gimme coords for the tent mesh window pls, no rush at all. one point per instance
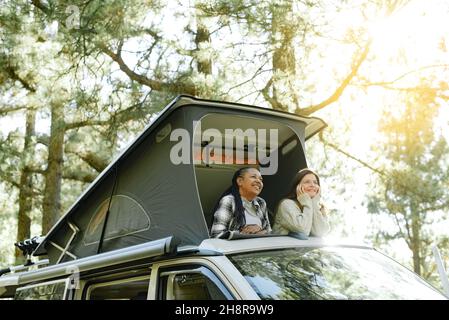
(126, 217)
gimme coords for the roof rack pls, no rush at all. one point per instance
(27, 247)
(152, 249)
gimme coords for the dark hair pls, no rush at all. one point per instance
(296, 180)
(239, 212)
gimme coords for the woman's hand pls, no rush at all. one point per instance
(299, 190)
(251, 229)
(324, 211)
(304, 198)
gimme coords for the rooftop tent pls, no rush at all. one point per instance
(158, 187)
(247, 133)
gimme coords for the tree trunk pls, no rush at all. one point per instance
(416, 243)
(52, 195)
(284, 60)
(25, 193)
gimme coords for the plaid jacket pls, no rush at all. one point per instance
(224, 217)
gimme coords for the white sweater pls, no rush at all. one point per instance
(311, 221)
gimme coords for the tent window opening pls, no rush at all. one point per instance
(223, 143)
(126, 217)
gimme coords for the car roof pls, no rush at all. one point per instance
(166, 247)
(273, 243)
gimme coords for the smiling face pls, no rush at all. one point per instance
(250, 184)
(309, 184)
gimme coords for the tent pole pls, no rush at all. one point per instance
(441, 270)
(103, 230)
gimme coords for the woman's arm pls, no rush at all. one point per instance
(290, 217)
(320, 225)
(266, 226)
(222, 217)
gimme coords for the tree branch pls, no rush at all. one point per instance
(85, 177)
(339, 91)
(121, 117)
(92, 159)
(86, 123)
(438, 207)
(388, 83)
(257, 73)
(181, 87)
(13, 75)
(274, 103)
(43, 139)
(391, 176)
(153, 84)
(38, 4)
(335, 147)
(4, 111)
(9, 180)
(67, 174)
(401, 232)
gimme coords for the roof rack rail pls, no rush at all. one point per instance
(151, 249)
(24, 267)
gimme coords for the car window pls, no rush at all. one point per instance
(198, 284)
(330, 273)
(128, 289)
(53, 290)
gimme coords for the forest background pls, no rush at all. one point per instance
(80, 79)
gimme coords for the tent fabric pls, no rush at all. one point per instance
(154, 188)
(148, 196)
(119, 225)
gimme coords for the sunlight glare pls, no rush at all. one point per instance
(387, 33)
(412, 34)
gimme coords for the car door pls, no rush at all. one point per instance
(191, 279)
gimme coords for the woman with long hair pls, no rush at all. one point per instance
(300, 213)
(239, 209)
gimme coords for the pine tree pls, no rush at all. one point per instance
(413, 190)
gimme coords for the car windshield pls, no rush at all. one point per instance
(330, 273)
